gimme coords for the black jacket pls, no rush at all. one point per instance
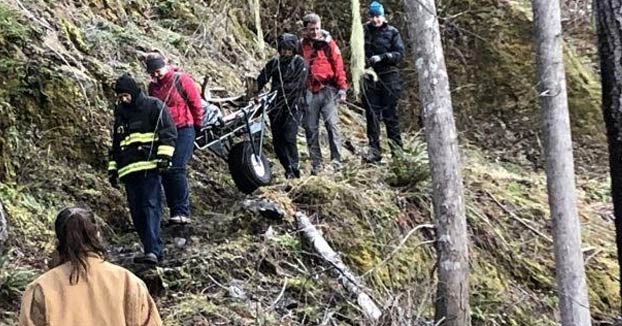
(386, 42)
(143, 131)
(288, 76)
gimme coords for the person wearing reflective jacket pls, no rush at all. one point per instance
(143, 142)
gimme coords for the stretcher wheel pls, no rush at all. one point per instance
(248, 171)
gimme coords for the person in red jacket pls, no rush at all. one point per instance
(326, 84)
(182, 98)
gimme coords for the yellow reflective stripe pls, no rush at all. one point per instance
(139, 138)
(112, 165)
(137, 166)
(166, 150)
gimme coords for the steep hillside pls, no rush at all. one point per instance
(490, 56)
(57, 64)
(495, 88)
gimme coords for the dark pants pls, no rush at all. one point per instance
(380, 102)
(284, 124)
(175, 181)
(144, 193)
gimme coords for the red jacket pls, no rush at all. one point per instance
(185, 109)
(325, 63)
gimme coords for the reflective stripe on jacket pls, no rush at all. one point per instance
(143, 132)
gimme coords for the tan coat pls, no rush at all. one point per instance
(108, 296)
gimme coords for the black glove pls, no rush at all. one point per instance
(113, 178)
(164, 164)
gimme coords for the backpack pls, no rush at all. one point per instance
(326, 49)
(211, 113)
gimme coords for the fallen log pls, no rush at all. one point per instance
(348, 280)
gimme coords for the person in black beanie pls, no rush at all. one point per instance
(143, 142)
(126, 85)
(154, 63)
(178, 91)
(288, 73)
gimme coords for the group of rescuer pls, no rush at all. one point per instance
(153, 140)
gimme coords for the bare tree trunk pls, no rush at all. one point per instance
(4, 227)
(452, 301)
(609, 32)
(570, 272)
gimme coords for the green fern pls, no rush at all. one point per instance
(13, 280)
(409, 167)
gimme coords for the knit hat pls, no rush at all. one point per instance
(376, 9)
(287, 41)
(127, 84)
(154, 63)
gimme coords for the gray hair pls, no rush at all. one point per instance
(311, 18)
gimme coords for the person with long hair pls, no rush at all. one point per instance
(84, 289)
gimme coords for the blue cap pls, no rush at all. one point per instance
(376, 9)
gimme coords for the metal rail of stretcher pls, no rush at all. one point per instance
(248, 120)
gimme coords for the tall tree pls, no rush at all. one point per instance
(452, 297)
(609, 32)
(570, 272)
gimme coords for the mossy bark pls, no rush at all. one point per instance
(569, 268)
(452, 297)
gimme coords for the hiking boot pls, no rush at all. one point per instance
(336, 165)
(372, 158)
(148, 259)
(179, 219)
(316, 169)
(292, 173)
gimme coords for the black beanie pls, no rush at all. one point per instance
(127, 84)
(154, 63)
(287, 41)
